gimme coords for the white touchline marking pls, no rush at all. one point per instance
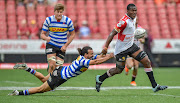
(89, 88)
(15, 82)
(165, 95)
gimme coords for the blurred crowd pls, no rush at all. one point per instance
(32, 31)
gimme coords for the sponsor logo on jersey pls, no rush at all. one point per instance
(83, 69)
(53, 29)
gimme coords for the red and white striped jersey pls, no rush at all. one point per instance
(125, 40)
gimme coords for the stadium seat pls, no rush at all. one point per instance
(20, 10)
(41, 10)
(40, 20)
(129, 2)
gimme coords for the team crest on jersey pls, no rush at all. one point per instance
(120, 23)
(83, 69)
(53, 29)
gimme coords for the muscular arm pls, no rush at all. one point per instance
(110, 37)
(71, 37)
(44, 37)
(100, 60)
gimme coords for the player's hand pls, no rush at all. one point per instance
(63, 48)
(111, 55)
(48, 39)
(104, 51)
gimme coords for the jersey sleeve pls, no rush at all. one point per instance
(46, 24)
(94, 57)
(70, 25)
(84, 62)
(121, 25)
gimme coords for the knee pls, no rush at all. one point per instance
(147, 62)
(119, 69)
(52, 65)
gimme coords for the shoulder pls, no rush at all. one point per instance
(66, 18)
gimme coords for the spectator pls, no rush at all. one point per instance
(30, 4)
(23, 31)
(52, 2)
(34, 30)
(95, 31)
(20, 2)
(84, 31)
(159, 2)
(76, 28)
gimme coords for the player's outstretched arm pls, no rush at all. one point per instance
(108, 41)
(100, 59)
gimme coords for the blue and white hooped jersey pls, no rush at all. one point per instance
(58, 30)
(77, 67)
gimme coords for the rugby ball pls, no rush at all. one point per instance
(139, 33)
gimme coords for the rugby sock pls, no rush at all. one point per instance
(24, 92)
(133, 78)
(103, 77)
(149, 72)
(32, 71)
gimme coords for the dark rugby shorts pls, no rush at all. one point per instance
(51, 49)
(55, 79)
(121, 57)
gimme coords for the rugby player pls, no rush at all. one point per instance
(57, 26)
(125, 46)
(62, 73)
(132, 63)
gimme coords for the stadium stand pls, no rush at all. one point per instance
(161, 20)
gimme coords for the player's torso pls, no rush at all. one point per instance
(58, 31)
(126, 36)
(76, 68)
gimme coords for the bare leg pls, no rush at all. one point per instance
(41, 77)
(43, 88)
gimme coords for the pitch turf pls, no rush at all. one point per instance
(123, 93)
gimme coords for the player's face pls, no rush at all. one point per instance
(58, 14)
(90, 54)
(132, 12)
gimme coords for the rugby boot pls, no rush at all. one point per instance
(20, 66)
(133, 83)
(15, 92)
(98, 83)
(159, 87)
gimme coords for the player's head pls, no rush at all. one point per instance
(58, 10)
(131, 11)
(86, 51)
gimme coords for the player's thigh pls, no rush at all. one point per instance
(51, 53)
(45, 87)
(60, 57)
(121, 60)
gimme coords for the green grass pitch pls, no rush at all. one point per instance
(164, 76)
